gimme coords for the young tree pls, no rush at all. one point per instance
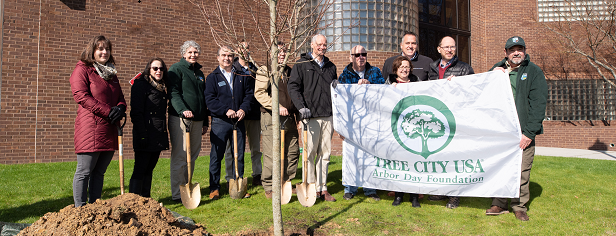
(425, 125)
(264, 22)
(587, 28)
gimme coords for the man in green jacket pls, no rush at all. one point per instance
(530, 91)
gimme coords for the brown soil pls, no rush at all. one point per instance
(127, 214)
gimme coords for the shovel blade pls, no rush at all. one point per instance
(237, 188)
(306, 194)
(191, 195)
(286, 192)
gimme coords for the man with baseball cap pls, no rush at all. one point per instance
(530, 91)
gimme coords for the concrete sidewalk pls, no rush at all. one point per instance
(580, 153)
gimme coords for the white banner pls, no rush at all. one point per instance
(453, 138)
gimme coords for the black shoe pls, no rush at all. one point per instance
(453, 203)
(177, 200)
(415, 200)
(256, 180)
(374, 196)
(397, 201)
(348, 196)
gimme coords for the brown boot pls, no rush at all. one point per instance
(326, 196)
(496, 210)
(214, 195)
(521, 215)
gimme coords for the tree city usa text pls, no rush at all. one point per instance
(459, 166)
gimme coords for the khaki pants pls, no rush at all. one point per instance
(178, 166)
(320, 131)
(519, 204)
(291, 153)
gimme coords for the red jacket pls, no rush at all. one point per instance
(96, 97)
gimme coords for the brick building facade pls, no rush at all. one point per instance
(41, 42)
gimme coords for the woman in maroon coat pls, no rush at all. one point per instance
(97, 90)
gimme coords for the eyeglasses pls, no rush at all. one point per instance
(449, 47)
(156, 68)
(404, 67)
(360, 54)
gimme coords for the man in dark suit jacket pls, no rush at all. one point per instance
(228, 96)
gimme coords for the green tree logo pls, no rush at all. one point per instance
(422, 124)
(424, 120)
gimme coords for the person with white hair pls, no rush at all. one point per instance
(309, 87)
(187, 101)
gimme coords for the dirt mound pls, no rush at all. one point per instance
(127, 214)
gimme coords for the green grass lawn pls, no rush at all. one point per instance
(569, 196)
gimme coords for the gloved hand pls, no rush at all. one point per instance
(334, 83)
(117, 113)
(305, 113)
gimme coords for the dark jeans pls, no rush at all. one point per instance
(221, 131)
(141, 180)
(89, 176)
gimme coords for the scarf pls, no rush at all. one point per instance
(105, 71)
(155, 84)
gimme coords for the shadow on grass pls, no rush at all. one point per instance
(38, 209)
(535, 191)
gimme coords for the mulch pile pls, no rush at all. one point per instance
(127, 214)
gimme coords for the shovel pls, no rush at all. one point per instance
(190, 193)
(306, 193)
(287, 188)
(237, 186)
(121, 159)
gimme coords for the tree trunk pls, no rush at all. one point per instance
(274, 76)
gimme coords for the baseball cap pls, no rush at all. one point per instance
(515, 41)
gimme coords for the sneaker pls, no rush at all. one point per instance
(374, 196)
(268, 194)
(214, 195)
(496, 210)
(521, 215)
(348, 196)
(437, 198)
(247, 195)
(326, 196)
(453, 203)
(256, 180)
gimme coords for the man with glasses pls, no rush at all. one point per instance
(446, 68)
(449, 65)
(530, 92)
(359, 71)
(409, 47)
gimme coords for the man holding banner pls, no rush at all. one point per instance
(359, 71)
(530, 92)
(446, 68)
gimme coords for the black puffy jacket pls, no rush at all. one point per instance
(309, 85)
(457, 68)
(148, 114)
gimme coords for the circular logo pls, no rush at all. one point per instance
(422, 125)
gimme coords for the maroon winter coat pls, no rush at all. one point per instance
(96, 97)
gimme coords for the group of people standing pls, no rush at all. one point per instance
(237, 96)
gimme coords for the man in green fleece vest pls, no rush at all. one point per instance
(530, 91)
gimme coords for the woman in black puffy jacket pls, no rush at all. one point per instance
(148, 113)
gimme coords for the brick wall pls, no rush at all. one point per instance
(37, 110)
